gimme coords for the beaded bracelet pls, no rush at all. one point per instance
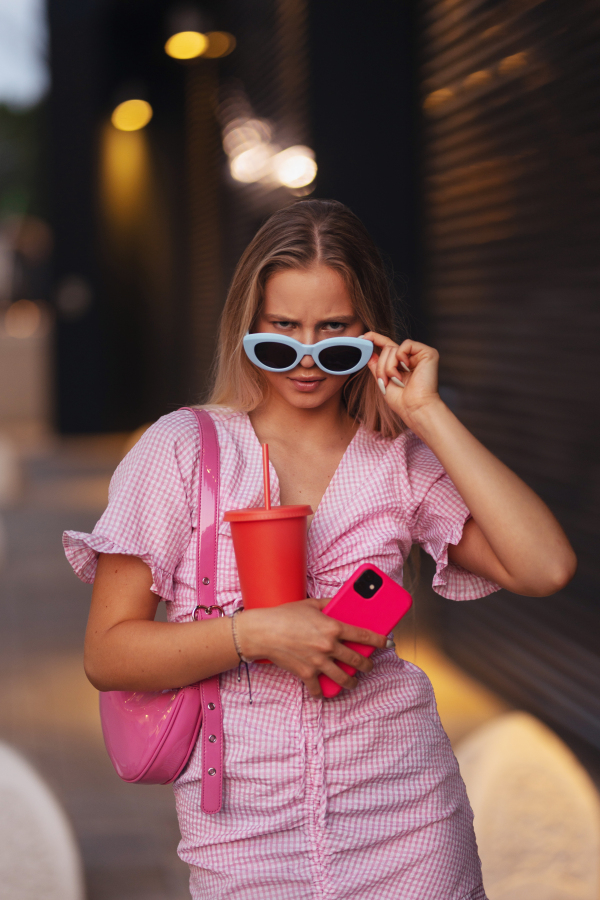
(238, 650)
(236, 642)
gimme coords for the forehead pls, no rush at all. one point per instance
(318, 292)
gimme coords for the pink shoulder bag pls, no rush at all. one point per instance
(150, 736)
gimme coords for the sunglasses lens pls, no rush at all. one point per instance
(275, 355)
(339, 359)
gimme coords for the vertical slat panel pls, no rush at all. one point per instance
(512, 240)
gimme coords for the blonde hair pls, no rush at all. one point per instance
(308, 233)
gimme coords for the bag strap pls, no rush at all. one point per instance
(206, 594)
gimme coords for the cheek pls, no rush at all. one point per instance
(276, 380)
(338, 381)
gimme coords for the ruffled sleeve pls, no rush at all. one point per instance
(438, 521)
(149, 513)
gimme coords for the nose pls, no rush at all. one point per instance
(307, 362)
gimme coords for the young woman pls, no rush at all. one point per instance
(360, 796)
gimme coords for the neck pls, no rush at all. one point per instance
(276, 420)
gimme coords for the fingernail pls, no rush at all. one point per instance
(381, 385)
(396, 381)
(404, 366)
(390, 643)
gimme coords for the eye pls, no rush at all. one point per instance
(283, 324)
(334, 326)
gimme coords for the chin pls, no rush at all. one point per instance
(301, 400)
(307, 401)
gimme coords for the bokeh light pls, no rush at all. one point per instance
(241, 134)
(252, 164)
(188, 45)
(255, 157)
(295, 167)
(22, 319)
(220, 43)
(131, 115)
(124, 176)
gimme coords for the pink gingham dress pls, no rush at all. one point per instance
(355, 798)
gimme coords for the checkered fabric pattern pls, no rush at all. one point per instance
(355, 798)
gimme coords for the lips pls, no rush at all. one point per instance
(306, 384)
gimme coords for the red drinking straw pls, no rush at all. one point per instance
(265, 452)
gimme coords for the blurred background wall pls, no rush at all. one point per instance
(466, 136)
(511, 210)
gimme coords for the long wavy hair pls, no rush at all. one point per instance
(308, 233)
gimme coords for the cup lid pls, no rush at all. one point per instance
(260, 514)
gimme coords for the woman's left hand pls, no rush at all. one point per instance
(406, 373)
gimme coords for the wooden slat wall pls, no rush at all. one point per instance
(511, 168)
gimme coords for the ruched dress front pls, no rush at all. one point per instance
(354, 798)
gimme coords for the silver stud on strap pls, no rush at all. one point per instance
(205, 580)
(212, 738)
(211, 705)
(212, 771)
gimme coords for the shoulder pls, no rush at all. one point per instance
(178, 432)
(409, 467)
(172, 437)
(406, 452)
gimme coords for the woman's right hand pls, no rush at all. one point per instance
(299, 638)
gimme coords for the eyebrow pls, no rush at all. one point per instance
(344, 320)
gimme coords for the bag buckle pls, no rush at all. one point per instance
(208, 610)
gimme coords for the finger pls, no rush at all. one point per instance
(353, 658)
(405, 356)
(386, 367)
(372, 363)
(362, 636)
(411, 347)
(383, 361)
(338, 675)
(314, 687)
(379, 340)
(412, 352)
(391, 364)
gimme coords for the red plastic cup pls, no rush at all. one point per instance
(270, 550)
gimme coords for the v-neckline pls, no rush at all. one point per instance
(335, 477)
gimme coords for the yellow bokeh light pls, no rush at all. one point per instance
(187, 45)
(220, 43)
(131, 115)
(125, 176)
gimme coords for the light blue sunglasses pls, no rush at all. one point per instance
(336, 355)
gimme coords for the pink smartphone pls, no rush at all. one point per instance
(369, 599)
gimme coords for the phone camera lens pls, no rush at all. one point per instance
(368, 584)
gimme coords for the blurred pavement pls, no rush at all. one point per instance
(128, 834)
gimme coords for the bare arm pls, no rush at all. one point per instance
(513, 538)
(125, 649)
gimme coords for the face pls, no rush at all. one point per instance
(308, 305)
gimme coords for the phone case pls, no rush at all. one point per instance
(381, 613)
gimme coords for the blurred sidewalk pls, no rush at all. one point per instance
(48, 710)
(128, 834)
